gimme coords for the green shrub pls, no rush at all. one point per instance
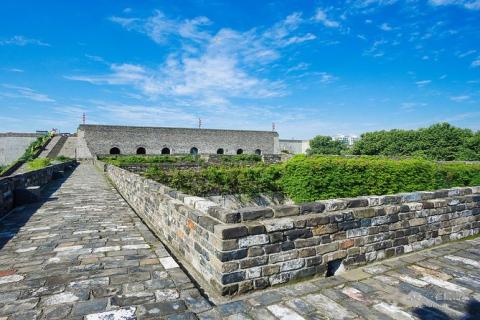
(34, 147)
(63, 159)
(326, 145)
(220, 180)
(126, 160)
(38, 163)
(314, 178)
(239, 158)
(310, 178)
(440, 141)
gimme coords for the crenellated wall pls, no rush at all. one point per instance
(236, 251)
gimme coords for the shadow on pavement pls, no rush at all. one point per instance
(472, 311)
(11, 223)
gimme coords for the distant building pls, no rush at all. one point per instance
(294, 146)
(347, 139)
(103, 139)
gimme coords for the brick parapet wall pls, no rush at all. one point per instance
(253, 248)
(38, 177)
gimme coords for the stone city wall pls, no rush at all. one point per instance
(100, 139)
(13, 145)
(9, 185)
(236, 251)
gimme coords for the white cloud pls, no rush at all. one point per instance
(467, 4)
(385, 27)
(159, 27)
(207, 66)
(327, 78)
(376, 49)
(14, 70)
(423, 83)
(410, 106)
(23, 41)
(321, 16)
(25, 93)
(475, 63)
(466, 53)
(460, 98)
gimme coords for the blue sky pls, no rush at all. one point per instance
(312, 67)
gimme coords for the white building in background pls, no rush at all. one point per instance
(294, 146)
(348, 139)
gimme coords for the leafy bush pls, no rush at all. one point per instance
(241, 158)
(310, 178)
(34, 147)
(314, 178)
(438, 142)
(326, 145)
(126, 160)
(38, 163)
(220, 180)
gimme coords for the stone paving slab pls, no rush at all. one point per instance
(83, 253)
(439, 283)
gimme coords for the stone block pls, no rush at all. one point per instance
(233, 231)
(364, 213)
(278, 224)
(357, 202)
(292, 265)
(334, 205)
(324, 229)
(253, 262)
(286, 211)
(233, 277)
(312, 207)
(254, 213)
(326, 248)
(254, 240)
(317, 221)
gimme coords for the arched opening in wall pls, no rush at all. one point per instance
(258, 152)
(220, 151)
(194, 151)
(141, 150)
(239, 151)
(165, 151)
(114, 150)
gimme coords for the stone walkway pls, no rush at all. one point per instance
(84, 254)
(440, 283)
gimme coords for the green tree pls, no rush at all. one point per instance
(440, 141)
(326, 145)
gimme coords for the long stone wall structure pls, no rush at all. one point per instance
(155, 140)
(235, 251)
(11, 185)
(13, 145)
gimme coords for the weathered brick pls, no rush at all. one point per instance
(286, 211)
(254, 213)
(233, 231)
(254, 240)
(324, 229)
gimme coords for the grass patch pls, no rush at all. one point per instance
(38, 163)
